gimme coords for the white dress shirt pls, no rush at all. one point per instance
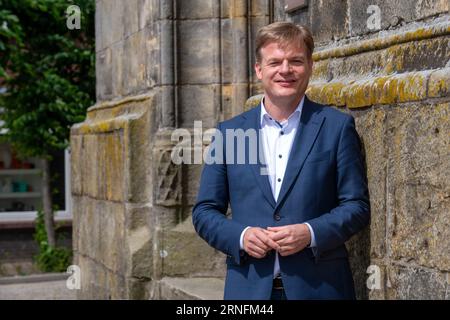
(277, 138)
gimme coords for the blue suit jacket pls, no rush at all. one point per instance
(324, 185)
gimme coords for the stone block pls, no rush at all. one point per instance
(260, 8)
(418, 190)
(418, 55)
(181, 246)
(147, 13)
(197, 9)
(112, 240)
(140, 247)
(359, 256)
(117, 286)
(439, 84)
(234, 97)
(409, 283)
(167, 187)
(76, 161)
(234, 51)
(198, 51)
(330, 20)
(90, 165)
(103, 74)
(392, 13)
(134, 71)
(372, 129)
(191, 182)
(191, 289)
(117, 68)
(198, 103)
(141, 157)
(137, 289)
(233, 8)
(130, 17)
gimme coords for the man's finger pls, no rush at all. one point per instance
(268, 241)
(276, 229)
(277, 236)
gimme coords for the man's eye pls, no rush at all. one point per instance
(297, 62)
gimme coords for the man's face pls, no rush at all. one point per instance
(284, 72)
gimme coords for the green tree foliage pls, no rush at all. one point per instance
(49, 259)
(48, 71)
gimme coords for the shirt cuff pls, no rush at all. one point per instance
(313, 238)
(241, 240)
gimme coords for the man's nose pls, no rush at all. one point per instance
(285, 67)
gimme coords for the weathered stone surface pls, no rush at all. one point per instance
(260, 8)
(197, 51)
(167, 189)
(191, 289)
(140, 247)
(392, 13)
(114, 165)
(439, 84)
(76, 167)
(418, 188)
(90, 165)
(372, 128)
(191, 182)
(130, 17)
(330, 20)
(234, 51)
(198, 103)
(103, 74)
(134, 75)
(409, 283)
(109, 219)
(359, 255)
(234, 97)
(233, 8)
(197, 9)
(141, 127)
(179, 255)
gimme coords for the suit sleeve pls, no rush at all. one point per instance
(352, 214)
(209, 213)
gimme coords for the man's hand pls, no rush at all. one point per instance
(291, 238)
(257, 242)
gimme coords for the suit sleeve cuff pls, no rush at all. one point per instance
(241, 240)
(313, 238)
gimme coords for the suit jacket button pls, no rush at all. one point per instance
(277, 217)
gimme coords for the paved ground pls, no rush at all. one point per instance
(36, 287)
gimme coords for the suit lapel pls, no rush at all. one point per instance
(307, 131)
(253, 121)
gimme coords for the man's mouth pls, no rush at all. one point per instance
(286, 82)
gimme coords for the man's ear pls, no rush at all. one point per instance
(258, 70)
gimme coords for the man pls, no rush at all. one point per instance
(286, 237)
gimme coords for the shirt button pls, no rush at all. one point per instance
(281, 132)
(279, 180)
(280, 156)
(277, 217)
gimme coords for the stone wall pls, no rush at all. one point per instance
(395, 81)
(165, 64)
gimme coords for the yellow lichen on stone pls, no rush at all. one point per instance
(439, 84)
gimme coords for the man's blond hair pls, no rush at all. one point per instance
(285, 34)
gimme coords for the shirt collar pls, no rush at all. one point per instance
(294, 115)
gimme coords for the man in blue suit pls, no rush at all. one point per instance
(292, 211)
